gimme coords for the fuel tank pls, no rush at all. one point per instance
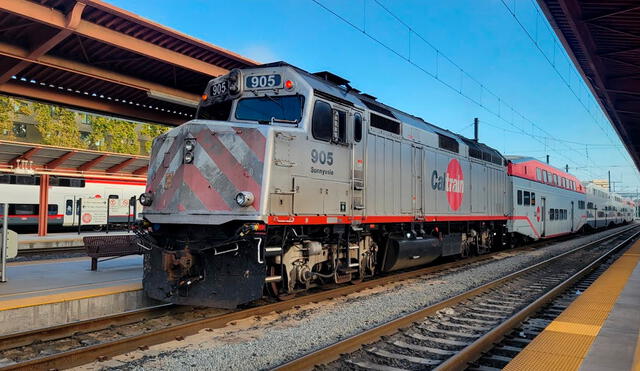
(402, 252)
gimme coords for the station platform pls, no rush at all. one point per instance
(31, 241)
(51, 292)
(599, 331)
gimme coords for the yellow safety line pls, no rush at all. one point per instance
(3, 296)
(49, 261)
(565, 342)
(67, 296)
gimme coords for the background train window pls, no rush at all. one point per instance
(545, 176)
(581, 205)
(5, 179)
(357, 127)
(68, 207)
(449, 144)
(321, 127)
(519, 197)
(555, 179)
(538, 174)
(26, 180)
(23, 209)
(389, 125)
(551, 214)
(52, 209)
(527, 198)
(533, 199)
(76, 182)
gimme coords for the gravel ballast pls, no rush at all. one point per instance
(265, 342)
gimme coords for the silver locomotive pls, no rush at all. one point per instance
(288, 180)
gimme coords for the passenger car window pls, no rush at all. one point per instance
(519, 197)
(527, 199)
(533, 199)
(321, 123)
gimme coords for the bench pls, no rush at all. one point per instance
(110, 247)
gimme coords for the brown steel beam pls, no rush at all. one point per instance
(117, 167)
(89, 103)
(43, 212)
(94, 72)
(71, 21)
(25, 156)
(54, 18)
(54, 164)
(609, 14)
(141, 170)
(89, 164)
(580, 31)
(619, 51)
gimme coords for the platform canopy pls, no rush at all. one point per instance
(27, 158)
(91, 55)
(603, 39)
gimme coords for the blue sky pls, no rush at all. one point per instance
(481, 37)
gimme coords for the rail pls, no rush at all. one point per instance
(474, 350)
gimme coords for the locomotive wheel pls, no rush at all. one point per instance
(274, 288)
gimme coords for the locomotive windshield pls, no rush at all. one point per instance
(217, 111)
(283, 108)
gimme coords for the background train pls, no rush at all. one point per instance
(291, 180)
(64, 193)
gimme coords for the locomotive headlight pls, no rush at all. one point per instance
(188, 145)
(146, 199)
(234, 82)
(244, 199)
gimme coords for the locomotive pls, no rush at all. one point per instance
(288, 180)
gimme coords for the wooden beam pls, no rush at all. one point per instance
(53, 164)
(94, 72)
(54, 18)
(89, 103)
(117, 167)
(89, 164)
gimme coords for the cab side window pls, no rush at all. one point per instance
(322, 121)
(341, 134)
(357, 127)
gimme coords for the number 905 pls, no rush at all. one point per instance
(322, 157)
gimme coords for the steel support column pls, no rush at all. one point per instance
(43, 214)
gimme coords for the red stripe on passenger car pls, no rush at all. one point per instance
(254, 139)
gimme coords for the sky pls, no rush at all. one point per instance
(444, 61)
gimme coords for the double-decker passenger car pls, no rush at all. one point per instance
(547, 202)
(606, 208)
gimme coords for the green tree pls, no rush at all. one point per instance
(151, 131)
(110, 134)
(7, 115)
(57, 126)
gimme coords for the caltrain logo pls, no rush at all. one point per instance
(451, 182)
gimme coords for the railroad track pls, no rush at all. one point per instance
(453, 333)
(81, 341)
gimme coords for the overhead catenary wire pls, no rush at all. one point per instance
(566, 82)
(501, 102)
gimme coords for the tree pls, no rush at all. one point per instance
(57, 126)
(7, 116)
(151, 131)
(110, 134)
